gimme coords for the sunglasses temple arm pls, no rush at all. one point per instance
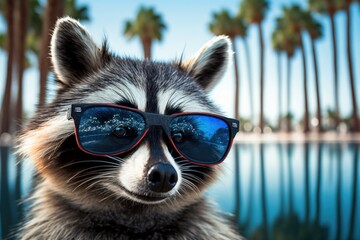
(68, 114)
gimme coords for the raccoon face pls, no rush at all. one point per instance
(152, 173)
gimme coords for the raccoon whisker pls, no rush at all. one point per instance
(192, 177)
(195, 178)
(179, 157)
(98, 178)
(189, 175)
(189, 171)
(85, 170)
(109, 196)
(78, 184)
(190, 185)
(190, 189)
(96, 182)
(185, 164)
(90, 161)
(120, 160)
(103, 173)
(178, 192)
(60, 143)
(182, 160)
(170, 202)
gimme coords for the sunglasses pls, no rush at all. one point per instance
(107, 129)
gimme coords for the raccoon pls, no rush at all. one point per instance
(149, 191)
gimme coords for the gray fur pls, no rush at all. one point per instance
(80, 196)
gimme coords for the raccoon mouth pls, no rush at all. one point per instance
(143, 198)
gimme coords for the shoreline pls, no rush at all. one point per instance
(297, 137)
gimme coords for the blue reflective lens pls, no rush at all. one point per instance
(109, 130)
(200, 138)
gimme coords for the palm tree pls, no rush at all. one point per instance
(355, 118)
(314, 28)
(21, 30)
(330, 7)
(33, 31)
(21, 19)
(242, 27)
(10, 37)
(278, 43)
(225, 24)
(5, 119)
(77, 12)
(254, 12)
(148, 26)
(2, 7)
(290, 41)
(54, 10)
(294, 23)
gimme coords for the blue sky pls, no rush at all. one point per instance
(187, 31)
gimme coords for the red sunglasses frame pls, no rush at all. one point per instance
(151, 119)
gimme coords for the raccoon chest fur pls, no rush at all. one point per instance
(60, 219)
(114, 152)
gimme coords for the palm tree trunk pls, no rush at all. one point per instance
(288, 99)
(355, 118)
(146, 43)
(5, 108)
(23, 6)
(5, 121)
(22, 17)
(336, 81)
(318, 102)
(278, 56)
(261, 41)
(250, 79)
(237, 80)
(54, 9)
(306, 108)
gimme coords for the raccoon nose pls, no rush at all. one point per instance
(162, 177)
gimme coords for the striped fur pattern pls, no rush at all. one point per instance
(80, 196)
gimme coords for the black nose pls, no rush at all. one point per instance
(162, 177)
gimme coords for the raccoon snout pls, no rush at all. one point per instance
(162, 177)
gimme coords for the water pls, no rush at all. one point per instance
(292, 191)
(275, 191)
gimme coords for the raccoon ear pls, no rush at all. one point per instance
(209, 64)
(74, 54)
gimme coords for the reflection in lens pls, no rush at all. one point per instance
(205, 139)
(98, 127)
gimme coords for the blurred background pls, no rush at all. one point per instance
(294, 84)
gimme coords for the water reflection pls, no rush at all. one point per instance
(293, 191)
(354, 211)
(275, 191)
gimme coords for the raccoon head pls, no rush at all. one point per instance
(87, 73)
